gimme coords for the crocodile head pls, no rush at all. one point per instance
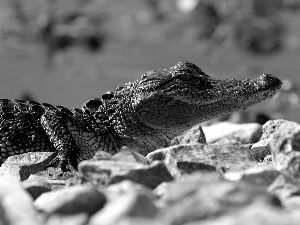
(183, 95)
(166, 102)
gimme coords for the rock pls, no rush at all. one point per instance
(292, 203)
(260, 176)
(203, 196)
(149, 176)
(129, 205)
(138, 221)
(22, 166)
(262, 148)
(16, 205)
(74, 219)
(99, 172)
(128, 155)
(73, 200)
(270, 127)
(161, 190)
(125, 187)
(34, 163)
(285, 188)
(101, 155)
(194, 135)
(245, 133)
(257, 213)
(176, 191)
(268, 160)
(111, 172)
(55, 184)
(185, 159)
(36, 186)
(285, 148)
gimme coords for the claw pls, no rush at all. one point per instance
(64, 163)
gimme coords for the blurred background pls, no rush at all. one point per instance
(65, 52)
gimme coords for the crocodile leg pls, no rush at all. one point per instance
(55, 125)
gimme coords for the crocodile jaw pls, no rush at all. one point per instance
(163, 103)
(181, 108)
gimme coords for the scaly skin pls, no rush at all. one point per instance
(144, 115)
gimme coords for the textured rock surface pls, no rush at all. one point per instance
(255, 214)
(194, 135)
(124, 187)
(262, 147)
(203, 196)
(129, 205)
(128, 155)
(62, 219)
(185, 159)
(220, 183)
(245, 133)
(111, 172)
(36, 186)
(261, 176)
(16, 205)
(287, 190)
(72, 200)
(22, 166)
(285, 148)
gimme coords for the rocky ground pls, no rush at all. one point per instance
(238, 174)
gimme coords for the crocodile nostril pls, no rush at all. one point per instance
(269, 80)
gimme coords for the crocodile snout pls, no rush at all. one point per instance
(269, 81)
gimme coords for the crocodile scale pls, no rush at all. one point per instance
(144, 115)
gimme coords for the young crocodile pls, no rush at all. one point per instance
(145, 115)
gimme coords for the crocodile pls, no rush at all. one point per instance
(143, 115)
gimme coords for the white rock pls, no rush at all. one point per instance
(245, 133)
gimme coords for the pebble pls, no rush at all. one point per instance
(16, 205)
(201, 196)
(262, 147)
(111, 172)
(75, 199)
(194, 135)
(261, 176)
(36, 186)
(23, 165)
(219, 157)
(244, 133)
(285, 148)
(129, 205)
(189, 182)
(128, 155)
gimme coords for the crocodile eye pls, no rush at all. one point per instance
(185, 77)
(93, 103)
